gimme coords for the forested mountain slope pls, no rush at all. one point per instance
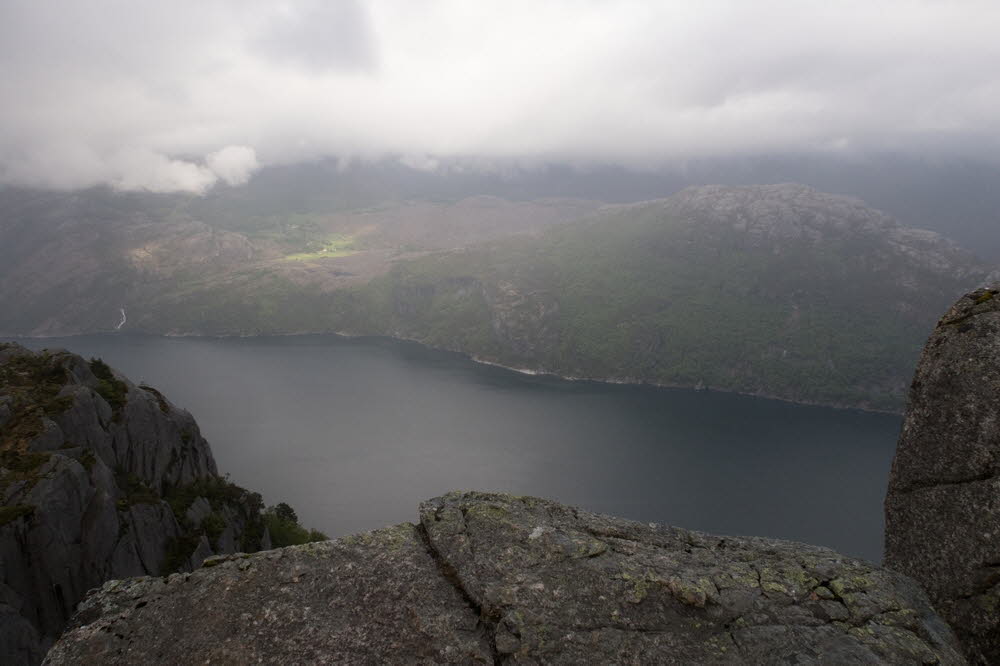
(776, 290)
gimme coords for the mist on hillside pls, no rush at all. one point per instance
(276, 273)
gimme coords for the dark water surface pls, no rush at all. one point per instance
(355, 432)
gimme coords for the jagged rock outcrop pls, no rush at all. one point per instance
(99, 479)
(487, 578)
(943, 505)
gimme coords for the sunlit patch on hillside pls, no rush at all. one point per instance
(333, 246)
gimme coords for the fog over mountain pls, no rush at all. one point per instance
(628, 255)
(183, 96)
(955, 197)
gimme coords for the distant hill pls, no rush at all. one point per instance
(776, 290)
(69, 262)
(773, 290)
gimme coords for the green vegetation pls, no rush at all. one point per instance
(88, 459)
(32, 384)
(134, 489)
(219, 492)
(223, 496)
(21, 467)
(23, 463)
(253, 535)
(179, 550)
(212, 526)
(334, 245)
(9, 514)
(677, 292)
(283, 525)
(113, 390)
(161, 401)
(649, 294)
(226, 497)
(261, 302)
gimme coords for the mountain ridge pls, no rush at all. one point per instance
(778, 291)
(693, 290)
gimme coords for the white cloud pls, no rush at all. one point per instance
(233, 164)
(139, 169)
(178, 95)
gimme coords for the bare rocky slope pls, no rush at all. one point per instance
(99, 479)
(943, 505)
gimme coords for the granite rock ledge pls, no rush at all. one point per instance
(487, 578)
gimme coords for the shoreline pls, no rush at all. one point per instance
(631, 381)
(532, 372)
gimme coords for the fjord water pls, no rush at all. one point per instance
(353, 433)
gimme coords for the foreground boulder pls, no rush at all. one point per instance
(488, 578)
(99, 479)
(943, 505)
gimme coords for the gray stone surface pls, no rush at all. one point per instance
(943, 503)
(375, 598)
(85, 527)
(501, 579)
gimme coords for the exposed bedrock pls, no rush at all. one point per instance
(96, 477)
(489, 578)
(943, 505)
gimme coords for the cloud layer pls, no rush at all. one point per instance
(182, 95)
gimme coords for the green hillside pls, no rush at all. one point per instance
(777, 290)
(774, 290)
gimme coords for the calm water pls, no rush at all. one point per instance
(355, 432)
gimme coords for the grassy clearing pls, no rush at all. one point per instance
(334, 245)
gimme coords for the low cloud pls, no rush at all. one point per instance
(181, 95)
(138, 169)
(233, 164)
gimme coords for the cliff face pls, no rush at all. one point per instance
(943, 505)
(497, 579)
(99, 479)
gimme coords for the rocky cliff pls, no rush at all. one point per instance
(943, 505)
(488, 578)
(99, 479)
(485, 578)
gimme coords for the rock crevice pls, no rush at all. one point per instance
(487, 578)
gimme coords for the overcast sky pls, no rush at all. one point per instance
(180, 95)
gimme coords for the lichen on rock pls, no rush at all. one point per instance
(487, 578)
(943, 504)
